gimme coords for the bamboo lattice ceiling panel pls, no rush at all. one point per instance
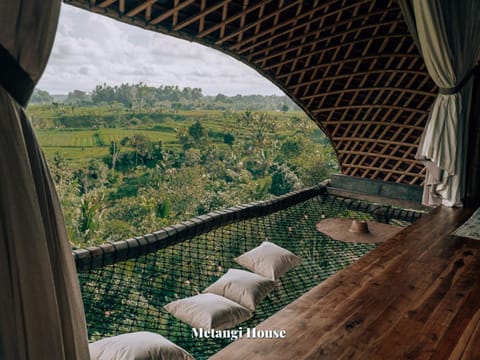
(351, 65)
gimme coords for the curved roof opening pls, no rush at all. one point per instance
(353, 68)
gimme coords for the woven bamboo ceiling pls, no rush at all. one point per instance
(350, 64)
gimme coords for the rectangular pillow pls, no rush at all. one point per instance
(209, 311)
(142, 345)
(269, 260)
(243, 287)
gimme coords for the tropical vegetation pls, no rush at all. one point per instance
(131, 159)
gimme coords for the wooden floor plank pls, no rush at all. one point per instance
(417, 296)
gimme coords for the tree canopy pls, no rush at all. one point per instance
(141, 96)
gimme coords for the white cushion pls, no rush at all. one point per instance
(141, 345)
(269, 260)
(243, 287)
(209, 311)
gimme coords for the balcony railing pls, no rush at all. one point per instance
(126, 284)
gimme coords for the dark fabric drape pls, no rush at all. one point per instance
(41, 310)
(473, 154)
(447, 34)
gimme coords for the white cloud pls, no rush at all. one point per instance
(91, 49)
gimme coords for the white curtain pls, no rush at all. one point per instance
(447, 33)
(41, 310)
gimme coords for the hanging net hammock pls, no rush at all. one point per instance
(126, 284)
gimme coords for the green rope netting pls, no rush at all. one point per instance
(129, 295)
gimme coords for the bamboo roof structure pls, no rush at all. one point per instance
(352, 66)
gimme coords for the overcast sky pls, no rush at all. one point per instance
(91, 49)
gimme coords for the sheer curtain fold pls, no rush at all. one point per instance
(41, 310)
(447, 34)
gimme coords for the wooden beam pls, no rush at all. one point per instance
(140, 8)
(371, 122)
(361, 140)
(288, 28)
(200, 15)
(320, 51)
(201, 24)
(258, 22)
(360, 73)
(175, 14)
(224, 17)
(368, 106)
(343, 61)
(315, 32)
(171, 12)
(379, 155)
(106, 3)
(323, 49)
(243, 18)
(356, 90)
(148, 13)
(233, 18)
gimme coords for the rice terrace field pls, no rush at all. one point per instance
(125, 167)
(79, 144)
